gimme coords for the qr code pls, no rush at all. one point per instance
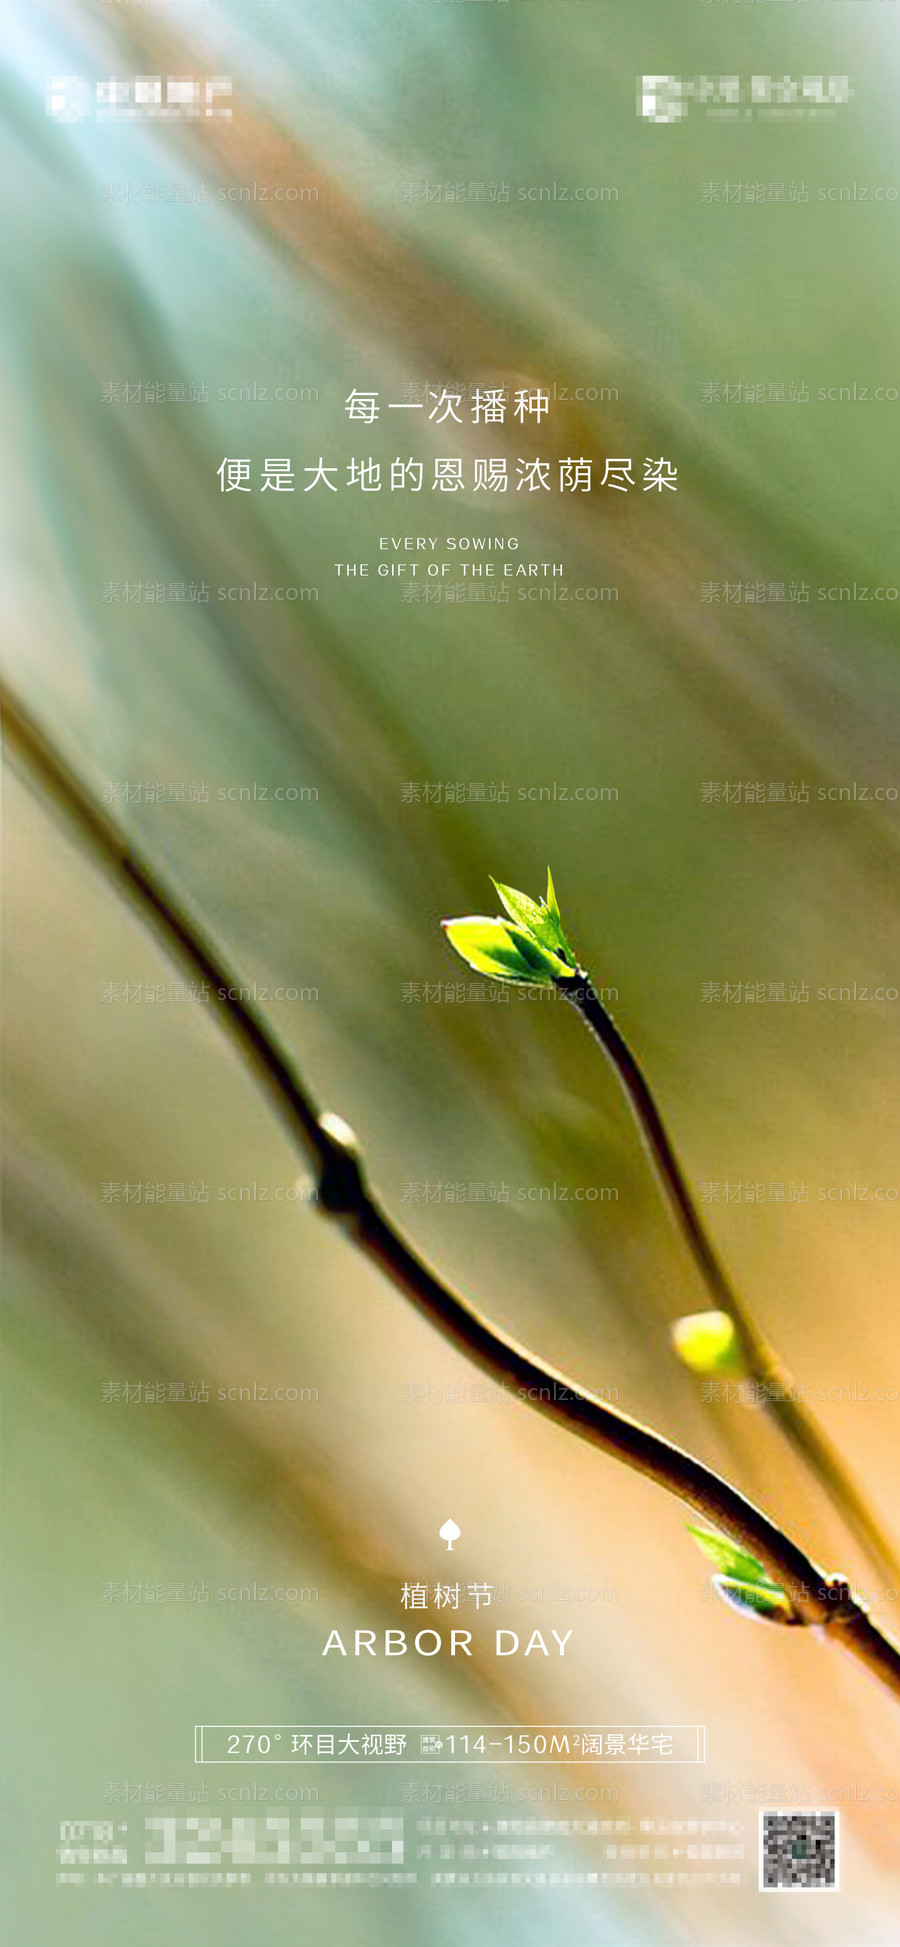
(798, 1849)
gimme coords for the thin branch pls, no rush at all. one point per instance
(345, 1197)
(779, 1391)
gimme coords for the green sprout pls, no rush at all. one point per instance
(529, 946)
(742, 1581)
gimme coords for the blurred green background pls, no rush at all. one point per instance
(657, 296)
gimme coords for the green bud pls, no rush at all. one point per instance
(707, 1342)
(743, 1582)
(528, 946)
(756, 1599)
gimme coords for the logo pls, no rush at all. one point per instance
(665, 97)
(139, 97)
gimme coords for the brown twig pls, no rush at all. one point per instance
(800, 1428)
(344, 1196)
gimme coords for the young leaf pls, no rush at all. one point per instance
(551, 907)
(505, 951)
(487, 946)
(734, 1562)
(762, 1600)
(526, 912)
(707, 1342)
(541, 921)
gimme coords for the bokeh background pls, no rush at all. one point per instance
(653, 295)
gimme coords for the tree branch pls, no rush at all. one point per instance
(345, 1197)
(779, 1391)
